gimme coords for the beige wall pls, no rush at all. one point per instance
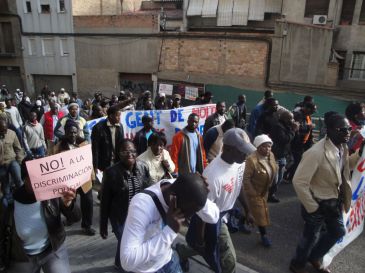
(231, 62)
(301, 56)
(104, 7)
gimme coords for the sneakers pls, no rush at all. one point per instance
(89, 231)
(184, 263)
(266, 242)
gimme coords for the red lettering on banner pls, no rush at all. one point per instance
(204, 111)
(357, 214)
(361, 167)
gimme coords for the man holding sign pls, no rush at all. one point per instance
(323, 187)
(38, 234)
(72, 141)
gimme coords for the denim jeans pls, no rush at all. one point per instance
(279, 177)
(118, 232)
(49, 262)
(19, 134)
(13, 169)
(173, 266)
(39, 152)
(315, 243)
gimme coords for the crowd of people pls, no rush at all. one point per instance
(148, 192)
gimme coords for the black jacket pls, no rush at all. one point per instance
(265, 123)
(140, 140)
(211, 121)
(24, 109)
(52, 210)
(282, 137)
(115, 192)
(102, 146)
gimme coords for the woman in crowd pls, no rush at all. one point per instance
(120, 183)
(38, 237)
(260, 172)
(157, 158)
(71, 141)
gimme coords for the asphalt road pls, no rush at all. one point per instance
(285, 230)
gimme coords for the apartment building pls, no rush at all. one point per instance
(48, 44)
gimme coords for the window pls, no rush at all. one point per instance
(6, 38)
(28, 7)
(362, 14)
(347, 12)
(357, 71)
(32, 48)
(316, 7)
(61, 6)
(47, 47)
(45, 8)
(64, 47)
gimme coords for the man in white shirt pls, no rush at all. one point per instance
(224, 175)
(153, 222)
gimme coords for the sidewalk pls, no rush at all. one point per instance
(92, 254)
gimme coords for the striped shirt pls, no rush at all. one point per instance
(134, 186)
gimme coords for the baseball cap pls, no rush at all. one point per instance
(238, 138)
(177, 96)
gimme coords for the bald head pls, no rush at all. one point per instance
(191, 192)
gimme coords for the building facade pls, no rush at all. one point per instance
(48, 43)
(11, 60)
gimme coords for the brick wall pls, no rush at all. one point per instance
(221, 57)
(126, 21)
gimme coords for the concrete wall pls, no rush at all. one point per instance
(111, 56)
(301, 54)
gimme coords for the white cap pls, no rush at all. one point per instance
(17, 90)
(62, 89)
(162, 95)
(261, 139)
(38, 103)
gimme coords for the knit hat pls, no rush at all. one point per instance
(238, 138)
(261, 139)
(72, 104)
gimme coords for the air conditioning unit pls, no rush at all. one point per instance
(320, 19)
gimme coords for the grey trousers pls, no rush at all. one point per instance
(51, 262)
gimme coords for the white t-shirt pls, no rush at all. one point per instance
(146, 241)
(225, 182)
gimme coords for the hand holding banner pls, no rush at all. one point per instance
(51, 176)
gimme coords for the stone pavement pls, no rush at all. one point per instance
(92, 254)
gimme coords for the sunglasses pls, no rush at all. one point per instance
(344, 129)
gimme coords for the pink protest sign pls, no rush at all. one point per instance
(51, 176)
